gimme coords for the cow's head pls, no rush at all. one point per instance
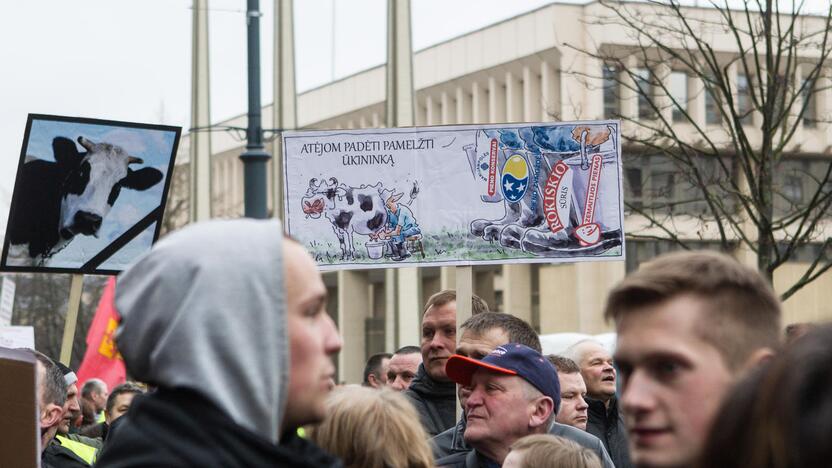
(93, 183)
(321, 195)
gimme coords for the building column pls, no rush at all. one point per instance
(662, 98)
(629, 96)
(463, 106)
(514, 98)
(448, 108)
(572, 84)
(284, 110)
(496, 101)
(517, 291)
(549, 92)
(409, 304)
(199, 200)
(432, 112)
(479, 103)
(484, 287)
(353, 310)
(531, 95)
(572, 296)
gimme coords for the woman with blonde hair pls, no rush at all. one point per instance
(370, 428)
(548, 451)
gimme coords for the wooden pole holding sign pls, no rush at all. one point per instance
(464, 292)
(75, 290)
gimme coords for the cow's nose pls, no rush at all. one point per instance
(87, 223)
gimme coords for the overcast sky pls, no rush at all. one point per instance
(130, 59)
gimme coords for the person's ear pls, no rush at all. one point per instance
(542, 410)
(757, 359)
(51, 415)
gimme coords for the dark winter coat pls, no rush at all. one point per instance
(607, 424)
(434, 401)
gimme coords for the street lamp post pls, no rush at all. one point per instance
(255, 158)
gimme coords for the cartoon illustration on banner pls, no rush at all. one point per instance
(456, 195)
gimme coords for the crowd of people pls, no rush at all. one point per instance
(225, 322)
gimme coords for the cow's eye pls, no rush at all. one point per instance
(114, 194)
(77, 181)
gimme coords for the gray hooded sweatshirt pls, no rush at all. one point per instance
(205, 311)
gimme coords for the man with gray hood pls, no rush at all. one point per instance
(228, 320)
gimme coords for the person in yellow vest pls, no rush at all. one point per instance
(70, 450)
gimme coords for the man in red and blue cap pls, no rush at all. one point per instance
(514, 393)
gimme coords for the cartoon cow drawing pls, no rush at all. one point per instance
(350, 210)
(72, 195)
(546, 173)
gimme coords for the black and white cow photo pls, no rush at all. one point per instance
(81, 186)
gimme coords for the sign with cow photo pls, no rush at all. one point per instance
(89, 194)
(456, 195)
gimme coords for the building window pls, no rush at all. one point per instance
(644, 87)
(679, 93)
(612, 105)
(808, 93)
(744, 107)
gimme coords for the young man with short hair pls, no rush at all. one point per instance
(375, 371)
(573, 405)
(689, 325)
(403, 367)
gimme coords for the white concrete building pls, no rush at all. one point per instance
(517, 70)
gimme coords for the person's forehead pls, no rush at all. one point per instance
(596, 352)
(303, 281)
(441, 315)
(572, 381)
(493, 337)
(72, 390)
(485, 376)
(666, 327)
(405, 360)
(124, 398)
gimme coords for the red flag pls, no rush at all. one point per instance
(102, 360)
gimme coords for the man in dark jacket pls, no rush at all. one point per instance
(432, 392)
(604, 420)
(228, 320)
(480, 335)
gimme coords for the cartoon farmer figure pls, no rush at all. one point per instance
(400, 225)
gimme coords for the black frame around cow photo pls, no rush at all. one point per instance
(89, 194)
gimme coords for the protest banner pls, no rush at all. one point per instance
(456, 195)
(89, 194)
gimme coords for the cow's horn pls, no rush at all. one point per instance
(312, 182)
(85, 143)
(134, 160)
(333, 180)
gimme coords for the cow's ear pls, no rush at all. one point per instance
(142, 179)
(66, 153)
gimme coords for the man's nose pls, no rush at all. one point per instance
(637, 395)
(582, 405)
(333, 341)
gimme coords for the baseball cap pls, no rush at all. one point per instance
(510, 359)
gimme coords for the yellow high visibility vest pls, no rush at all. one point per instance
(84, 451)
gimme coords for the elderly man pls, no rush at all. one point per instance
(482, 333)
(375, 371)
(403, 367)
(514, 392)
(573, 404)
(604, 418)
(689, 325)
(228, 319)
(432, 392)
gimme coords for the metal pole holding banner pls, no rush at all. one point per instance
(284, 111)
(75, 289)
(255, 158)
(464, 292)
